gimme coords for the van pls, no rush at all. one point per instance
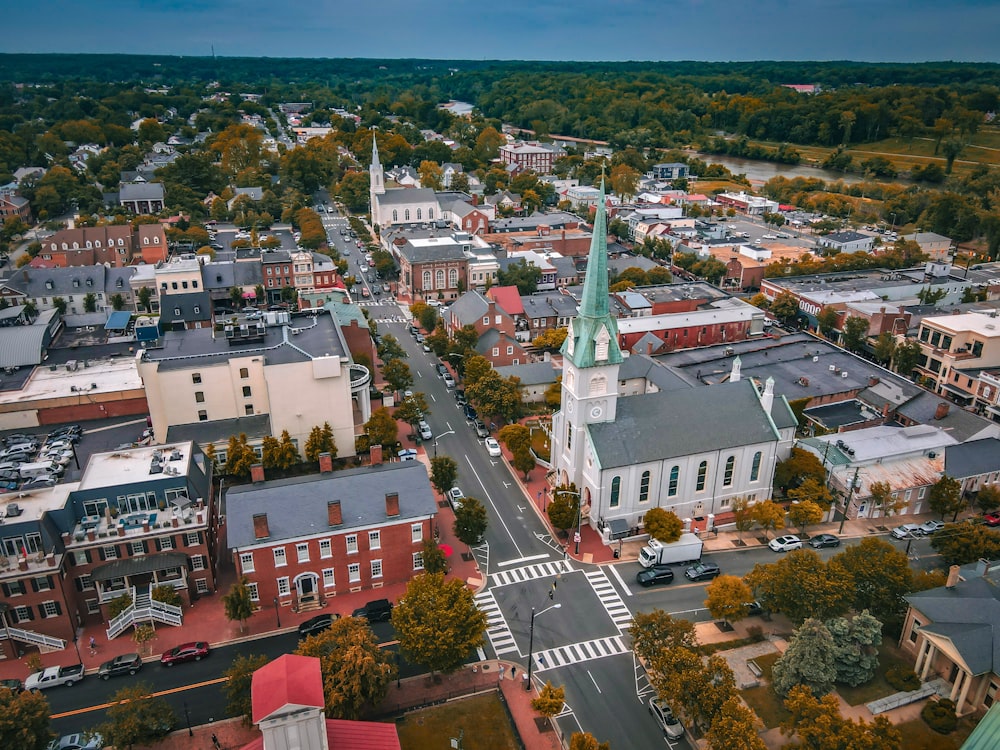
(40, 468)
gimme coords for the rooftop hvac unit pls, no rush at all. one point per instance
(843, 374)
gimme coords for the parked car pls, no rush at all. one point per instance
(785, 543)
(449, 381)
(492, 447)
(470, 412)
(19, 450)
(378, 610)
(654, 575)
(40, 483)
(317, 624)
(78, 741)
(702, 571)
(992, 519)
(931, 527)
(664, 716)
(124, 664)
(193, 651)
(824, 540)
(460, 397)
(425, 430)
(12, 684)
(55, 676)
(906, 530)
(481, 429)
(455, 497)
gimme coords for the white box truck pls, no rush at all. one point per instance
(685, 550)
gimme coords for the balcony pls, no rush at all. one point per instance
(107, 527)
(360, 377)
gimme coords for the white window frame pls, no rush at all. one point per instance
(93, 606)
(252, 588)
(284, 587)
(375, 539)
(48, 609)
(325, 549)
(354, 572)
(137, 548)
(201, 585)
(302, 552)
(111, 552)
(191, 539)
(197, 562)
(280, 558)
(21, 614)
(166, 543)
(376, 568)
(416, 532)
(246, 562)
(329, 578)
(418, 560)
(352, 544)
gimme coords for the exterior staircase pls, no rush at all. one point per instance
(144, 609)
(310, 606)
(45, 643)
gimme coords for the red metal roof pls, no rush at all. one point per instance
(288, 680)
(508, 297)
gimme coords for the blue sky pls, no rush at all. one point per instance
(872, 30)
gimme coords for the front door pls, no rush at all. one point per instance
(307, 588)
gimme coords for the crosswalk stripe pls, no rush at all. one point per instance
(497, 630)
(575, 653)
(530, 572)
(610, 599)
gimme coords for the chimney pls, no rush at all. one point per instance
(767, 398)
(260, 530)
(257, 473)
(953, 577)
(376, 454)
(392, 504)
(942, 410)
(734, 376)
(873, 381)
(325, 463)
(334, 516)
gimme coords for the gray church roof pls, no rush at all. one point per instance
(533, 373)
(728, 415)
(406, 196)
(141, 191)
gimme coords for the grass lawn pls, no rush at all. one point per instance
(540, 443)
(918, 736)
(482, 718)
(763, 700)
(888, 656)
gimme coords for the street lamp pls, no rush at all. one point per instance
(449, 432)
(277, 614)
(531, 639)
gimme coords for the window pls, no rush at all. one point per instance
(921, 492)
(279, 557)
(395, 215)
(376, 568)
(93, 607)
(426, 276)
(197, 562)
(325, 548)
(496, 351)
(486, 320)
(110, 553)
(22, 614)
(418, 560)
(755, 466)
(439, 279)
(165, 543)
(196, 378)
(302, 552)
(406, 214)
(244, 373)
(50, 609)
(452, 278)
(203, 417)
(197, 310)
(328, 580)
(246, 562)
(702, 474)
(252, 587)
(248, 410)
(675, 475)
(201, 584)
(510, 350)
(417, 532)
(616, 489)
(137, 548)
(192, 539)
(419, 214)
(914, 630)
(85, 582)
(354, 572)
(247, 392)
(352, 544)
(199, 397)
(727, 477)
(177, 312)
(283, 589)
(569, 437)
(374, 540)
(644, 487)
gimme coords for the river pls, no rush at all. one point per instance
(759, 172)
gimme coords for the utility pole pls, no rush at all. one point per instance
(847, 502)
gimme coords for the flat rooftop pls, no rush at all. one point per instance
(972, 322)
(35, 503)
(134, 464)
(103, 376)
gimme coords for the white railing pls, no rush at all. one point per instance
(145, 609)
(35, 639)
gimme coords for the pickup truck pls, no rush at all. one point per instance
(54, 676)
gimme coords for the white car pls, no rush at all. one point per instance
(455, 497)
(906, 531)
(785, 543)
(492, 447)
(363, 268)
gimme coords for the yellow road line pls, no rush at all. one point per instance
(155, 695)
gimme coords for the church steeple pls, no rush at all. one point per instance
(593, 335)
(377, 178)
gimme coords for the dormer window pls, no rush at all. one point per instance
(601, 345)
(156, 240)
(119, 284)
(145, 240)
(89, 244)
(76, 283)
(49, 285)
(90, 282)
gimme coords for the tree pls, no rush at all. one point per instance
(805, 512)
(907, 356)
(700, 687)
(813, 491)
(768, 515)
(269, 451)
(59, 303)
(657, 631)
(818, 725)
(117, 302)
(240, 456)
(855, 650)
(397, 374)
(827, 321)
(412, 409)
(288, 454)
(515, 437)
(524, 461)
(522, 275)
(356, 672)
(586, 741)
(728, 598)
(551, 339)
(444, 472)
(885, 347)
(785, 307)
(90, 302)
(663, 525)
(144, 297)
(734, 728)
(624, 180)
(880, 577)
(550, 700)
(988, 498)
(320, 440)
(390, 348)
(24, 720)
(962, 543)
(239, 678)
(855, 333)
(564, 508)
(742, 516)
(808, 661)
(802, 586)
(438, 623)
(136, 717)
(433, 558)
(476, 367)
(795, 469)
(238, 603)
(470, 521)
(430, 175)
(381, 427)
(945, 497)
(30, 310)
(880, 494)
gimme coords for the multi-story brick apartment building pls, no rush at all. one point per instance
(524, 156)
(300, 542)
(115, 245)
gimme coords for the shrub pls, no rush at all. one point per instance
(902, 678)
(940, 716)
(755, 633)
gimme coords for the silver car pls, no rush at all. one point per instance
(669, 723)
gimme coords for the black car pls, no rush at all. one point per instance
(654, 575)
(441, 369)
(378, 610)
(824, 540)
(124, 664)
(316, 624)
(702, 571)
(470, 413)
(12, 684)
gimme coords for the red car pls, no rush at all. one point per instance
(195, 651)
(992, 519)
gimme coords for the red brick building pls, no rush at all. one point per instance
(302, 541)
(497, 329)
(116, 246)
(277, 273)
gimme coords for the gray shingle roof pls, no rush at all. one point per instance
(257, 426)
(35, 282)
(973, 458)
(726, 416)
(469, 308)
(533, 373)
(140, 191)
(298, 507)
(406, 196)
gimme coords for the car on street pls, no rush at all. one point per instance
(449, 381)
(317, 624)
(655, 575)
(492, 447)
(664, 716)
(378, 610)
(906, 530)
(992, 519)
(455, 497)
(78, 741)
(481, 429)
(702, 571)
(824, 540)
(123, 664)
(931, 527)
(193, 651)
(441, 369)
(12, 684)
(785, 543)
(425, 430)
(425, 346)
(470, 413)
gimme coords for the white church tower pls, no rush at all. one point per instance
(376, 184)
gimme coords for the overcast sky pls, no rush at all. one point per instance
(870, 30)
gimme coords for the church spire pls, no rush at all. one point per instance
(376, 181)
(375, 161)
(594, 303)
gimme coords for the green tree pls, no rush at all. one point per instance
(433, 558)
(881, 496)
(963, 543)
(855, 650)
(24, 720)
(438, 623)
(827, 320)
(550, 700)
(30, 310)
(145, 296)
(564, 508)
(356, 672)
(880, 576)
(768, 515)
(522, 275)
(381, 428)
(166, 594)
(728, 598)
(444, 472)
(136, 717)
(657, 631)
(270, 447)
(988, 498)
(90, 302)
(945, 497)
(239, 678)
(470, 521)
(785, 307)
(428, 318)
(59, 303)
(476, 368)
(288, 454)
(808, 661)
(412, 409)
(818, 725)
(524, 461)
(855, 333)
(801, 585)
(397, 374)
(700, 687)
(885, 347)
(907, 355)
(238, 603)
(624, 181)
(117, 302)
(663, 525)
(734, 728)
(320, 440)
(515, 437)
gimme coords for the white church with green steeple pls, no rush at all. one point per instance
(691, 450)
(395, 206)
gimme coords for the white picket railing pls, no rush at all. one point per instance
(35, 639)
(144, 609)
